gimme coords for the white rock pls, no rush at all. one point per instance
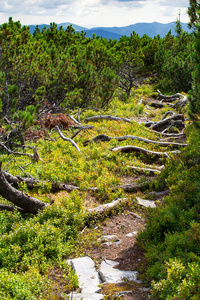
(88, 276)
(146, 203)
(93, 296)
(110, 274)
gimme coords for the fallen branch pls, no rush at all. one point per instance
(167, 114)
(32, 183)
(160, 126)
(168, 97)
(80, 129)
(75, 121)
(146, 203)
(181, 103)
(159, 195)
(67, 139)
(105, 138)
(112, 118)
(34, 156)
(107, 207)
(133, 188)
(18, 198)
(138, 149)
(15, 180)
(156, 104)
(11, 208)
(151, 171)
(170, 135)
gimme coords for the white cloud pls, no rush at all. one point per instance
(91, 13)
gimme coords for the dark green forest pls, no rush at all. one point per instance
(52, 83)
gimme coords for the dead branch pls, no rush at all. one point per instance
(75, 121)
(159, 195)
(11, 208)
(103, 138)
(67, 139)
(34, 156)
(168, 97)
(145, 203)
(112, 118)
(138, 149)
(144, 170)
(63, 187)
(160, 126)
(133, 188)
(167, 114)
(107, 207)
(18, 198)
(156, 104)
(170, 135)
(15, 180)
(80, 129)
(181, 103)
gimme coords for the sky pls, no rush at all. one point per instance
(93, 13)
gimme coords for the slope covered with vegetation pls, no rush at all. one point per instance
(47, 77)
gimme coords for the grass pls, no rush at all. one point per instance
(31, 245)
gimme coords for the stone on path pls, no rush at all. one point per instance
(110, 274)
(146, 203)
(88, 278)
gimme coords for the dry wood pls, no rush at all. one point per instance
(67, 139)
(156, 104)
(103, 137)
(133, 188)
(32, 183)
(75, 121)
(80, 129)
(151, 171)
(160, 126)
(15, 180)
(112, 118)
(167, 114)
(34, 156)
(27, 203)
(11, 208)
(180, 104)
(107, 207)
(146, 203)
(170, 135)
(169, 97)
(159, 195)
(130, 148)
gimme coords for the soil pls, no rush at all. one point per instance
(122, 249)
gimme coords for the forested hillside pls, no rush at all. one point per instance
(91, 121)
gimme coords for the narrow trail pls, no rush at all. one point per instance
(118, 239)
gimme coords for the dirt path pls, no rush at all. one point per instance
(122, 248)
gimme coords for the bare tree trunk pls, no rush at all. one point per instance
(20, 199)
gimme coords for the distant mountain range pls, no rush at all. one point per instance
(151, 29)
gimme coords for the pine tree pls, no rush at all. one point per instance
(194, 107)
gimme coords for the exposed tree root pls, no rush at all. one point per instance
(142, 150)
(112, 118)
(67, 139)
(103, 137)
(169, 98)
(144, 170)
(34, 156)
(27, 203)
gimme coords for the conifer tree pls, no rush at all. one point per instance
(194, 108)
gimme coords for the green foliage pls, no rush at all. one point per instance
(194, 107)
(173, 231)
(173, 62)
(181, 282)
(29, 285)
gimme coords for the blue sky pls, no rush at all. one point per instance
(93, 13)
